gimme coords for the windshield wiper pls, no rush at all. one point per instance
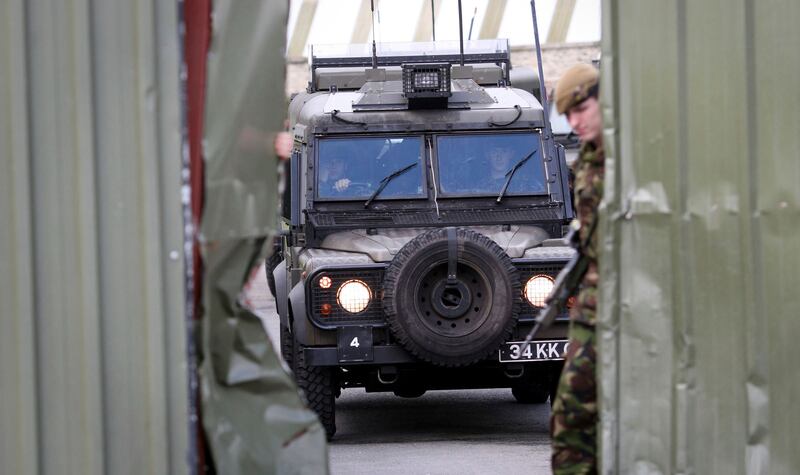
(385, 181)
(510, 175)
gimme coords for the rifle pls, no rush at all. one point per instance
(567, 282)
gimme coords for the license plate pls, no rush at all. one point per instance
(540, 350)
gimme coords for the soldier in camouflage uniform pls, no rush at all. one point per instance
(574, 416)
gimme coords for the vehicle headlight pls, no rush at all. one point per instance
(537, 289)
(354, 296)
(426, 80)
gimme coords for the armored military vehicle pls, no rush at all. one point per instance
(426, 206)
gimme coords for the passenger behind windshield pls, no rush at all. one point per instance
(481, 164)
(500, 160)
(353, 167)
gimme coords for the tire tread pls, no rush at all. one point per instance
(409, 251)
(316, 384)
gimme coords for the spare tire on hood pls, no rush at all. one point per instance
(447, 321)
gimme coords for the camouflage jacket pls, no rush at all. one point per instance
(589, 174)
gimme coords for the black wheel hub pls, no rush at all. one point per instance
(453, 309)
(451, 300)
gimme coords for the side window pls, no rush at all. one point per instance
(285, 173)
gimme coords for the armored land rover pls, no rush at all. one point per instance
(426, 205)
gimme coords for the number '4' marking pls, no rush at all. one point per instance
(528, 353)
(355, 342)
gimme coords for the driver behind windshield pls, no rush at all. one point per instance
(350, 168)
(332, 179)
(339, 161)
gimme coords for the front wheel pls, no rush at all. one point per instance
(530, 394)
(316, 385)
(269, 265)
(287, 345)
(538, 391)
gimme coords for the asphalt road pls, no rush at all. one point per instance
(441, 432)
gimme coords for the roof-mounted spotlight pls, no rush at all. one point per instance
(426, 81)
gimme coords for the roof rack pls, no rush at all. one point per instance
(396, 54)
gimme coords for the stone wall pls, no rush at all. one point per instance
(556, 58)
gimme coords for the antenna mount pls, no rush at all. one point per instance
(433, 22)
(374, 52)
(542, 88)
(461, 33)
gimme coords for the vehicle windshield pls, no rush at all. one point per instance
(481, 164)
(353, 167)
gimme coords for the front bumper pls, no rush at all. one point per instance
(389, 353)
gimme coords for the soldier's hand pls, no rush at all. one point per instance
(341, 184)
(283, 145)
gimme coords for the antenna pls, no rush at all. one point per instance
(472, 22)
(374, 53)
(461, 32)
(542, 89)
(433, 22)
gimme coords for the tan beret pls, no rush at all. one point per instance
(575, 86)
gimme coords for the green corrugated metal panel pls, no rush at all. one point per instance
(244, 111)
(254, 419)
(92, 347)
(699, 302)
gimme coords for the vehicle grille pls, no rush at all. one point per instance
(464, 217)
(371, 315)
(364, 221)
(528, 270)
(507, 215)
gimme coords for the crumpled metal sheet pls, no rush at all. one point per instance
(252, 414)
(245, 108)
(698, 302)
